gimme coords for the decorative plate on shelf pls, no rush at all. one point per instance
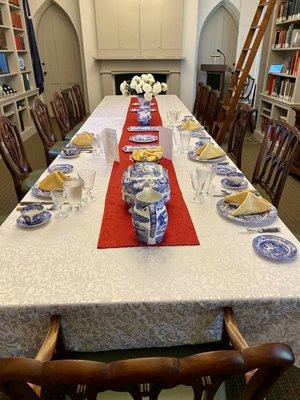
(234, 186)
(65, 168)
(254, 220)
(194, 157)
(143, 138)
(41, 219)
(274, 248)
(22, 63)
(36, 191)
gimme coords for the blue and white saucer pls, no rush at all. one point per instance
(40, 219)
(274, 248)
(200, 134)
(224, 169)
(143, 128)
(203, 141)
(253, 220)
(233, 186)
(192, 155)
(143, 138)
(65, 168)
(36, 191)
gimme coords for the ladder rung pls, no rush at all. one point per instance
(255, 27)
(247, 49)
(264, 4)
(232, 89)
(226, 108)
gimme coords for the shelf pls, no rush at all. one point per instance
(18, 29)
(7, 75)
(6, 51)
(22, 108)
(285, 49)
(4, 27)
(279, 101)
(22, 51)
(16, 96)
(265, 115)
(283, 75)
(13, 7)
(27, 71)
(288, 21)
(9, 114)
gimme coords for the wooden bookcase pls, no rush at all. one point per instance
(269, 105)
(16, 106)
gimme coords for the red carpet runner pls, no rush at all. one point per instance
(117, 230)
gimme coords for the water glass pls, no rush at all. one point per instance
(185, 137)
(58, 196)
(87, 178)
(97, 145)
(210, 176)
(198, 179)
(173, 118)
(73, 190)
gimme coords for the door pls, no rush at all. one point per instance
(220, 31)
(59, 51)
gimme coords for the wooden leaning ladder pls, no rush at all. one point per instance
(240, 74)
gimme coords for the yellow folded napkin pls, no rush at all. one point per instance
(248, 203)
(84, 139)
(190, 125)
(148, 155)
(53, 181)
(209, 151)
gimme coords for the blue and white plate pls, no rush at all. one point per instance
(200, 134)
(203, 141)
(63, 155)
(224, 169)
(65, 168)
(41, 219)
(143, 138)
(234, 186)
(274, 248)
(143, 128)
(130, 149)
(36, 191)
(136, 110)
(254, 220)
(194, 157)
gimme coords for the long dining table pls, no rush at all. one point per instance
(140, 297)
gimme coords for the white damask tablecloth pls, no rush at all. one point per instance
(140, 297)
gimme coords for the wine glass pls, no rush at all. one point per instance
(198, 178)
(73, 190)
(97, 145)
(58, 196)
(210, 176)
(185, 137)
(87, 178)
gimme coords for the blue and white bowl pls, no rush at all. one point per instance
(232, 186)
(235, 178)
(70, 151)
(36, 191)
(65, 168)
(224, 169)
(274, 248)
(33, 216)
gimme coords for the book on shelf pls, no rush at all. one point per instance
(3, 43)
(26, 81)
(264, 122)
(288, 10)
(282, 88)
(4, 68)
(20, 43)
(292, 65)
(16, 20)
(283, 37)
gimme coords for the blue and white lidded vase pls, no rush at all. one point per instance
(150, 217)
(144, 112)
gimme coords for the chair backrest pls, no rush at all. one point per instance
(145, 378)
(212, 110)
(248, 93)
(42, 122)
(60, 113)
(71, 107)
(198, 97)
(13, 153)
(275, 158)
(80, 101)
(203, 104)
(237, 133)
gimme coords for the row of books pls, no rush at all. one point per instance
(280, 87)
(20, 43)
(264, 123)
(4, 68)
(293, 63)
(16, 20)
(288, 10)
(283, 37)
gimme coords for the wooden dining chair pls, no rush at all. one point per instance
(198, 97)
(42, 122)
(61, 115)
(203, 104)
(237, 133)
(212, 110)
(13, 154)
(51, 375)
(275, 158)
(78, 96)
(73, 110)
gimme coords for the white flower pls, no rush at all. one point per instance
(124, 88)
(164, 87)
(133, 84)
(147, 88)
(148, 96)
(144, 78)
(150, 78)
(157, 88)
(138, 89)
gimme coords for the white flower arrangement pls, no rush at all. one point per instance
(143, 85)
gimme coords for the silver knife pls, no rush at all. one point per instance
(264, 230)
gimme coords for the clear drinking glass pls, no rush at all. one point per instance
(97, 145)
(185, 137)
(176, 141)
(73, 190)
(58, 197)
(210, 176)
(87, 178)
(198, 179)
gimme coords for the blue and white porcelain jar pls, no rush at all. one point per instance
(142, 174)
(144, 112)
(150, 217)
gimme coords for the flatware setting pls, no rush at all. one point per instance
(262, 230)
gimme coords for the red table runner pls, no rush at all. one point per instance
(116, 229)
